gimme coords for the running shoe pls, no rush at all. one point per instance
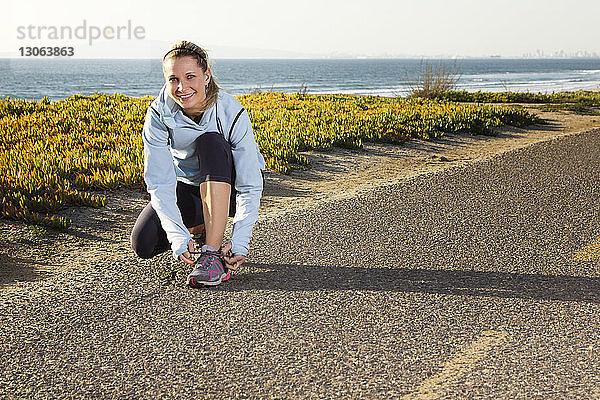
(210, 270)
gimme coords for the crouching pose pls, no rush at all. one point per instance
(201, 165)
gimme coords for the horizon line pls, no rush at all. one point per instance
(319, 58)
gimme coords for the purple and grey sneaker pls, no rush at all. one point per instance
(210, 269)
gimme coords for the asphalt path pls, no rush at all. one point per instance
(480, 281)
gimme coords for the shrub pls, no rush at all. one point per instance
(433, 81)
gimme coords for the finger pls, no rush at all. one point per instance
(240, 262)
(232, 267)
(186, 258)
(232, 263)
(191, 246)
(231, 259)
(226, 249)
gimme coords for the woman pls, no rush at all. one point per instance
(201, 165)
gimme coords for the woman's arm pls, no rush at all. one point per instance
(160, 178)
(248, 183)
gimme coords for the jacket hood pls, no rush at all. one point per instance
(166, 107)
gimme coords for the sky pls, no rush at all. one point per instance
(308, 28)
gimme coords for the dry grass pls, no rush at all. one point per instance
(434, 79)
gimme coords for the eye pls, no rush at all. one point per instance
(172, 79)
(190, 76)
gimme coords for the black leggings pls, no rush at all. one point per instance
(148, 238)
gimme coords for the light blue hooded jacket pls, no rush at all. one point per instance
(170, 155)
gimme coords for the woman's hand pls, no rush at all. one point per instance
(233, 261)
(187, 256)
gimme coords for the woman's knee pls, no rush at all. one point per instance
(141, 249)
(147, 237)
(142, 253)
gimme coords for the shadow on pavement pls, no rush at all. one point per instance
(456, 282)
(13, 269)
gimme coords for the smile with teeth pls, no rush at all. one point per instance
(186, 96)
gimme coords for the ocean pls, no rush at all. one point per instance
(59, 78)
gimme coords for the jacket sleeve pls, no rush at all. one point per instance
(248, 183)
(160, 178)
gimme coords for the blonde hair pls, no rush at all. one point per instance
(185, 49)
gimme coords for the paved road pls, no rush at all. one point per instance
(478, 282)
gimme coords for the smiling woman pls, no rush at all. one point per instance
(190, 79)
(201, 165)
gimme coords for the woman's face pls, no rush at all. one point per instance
(187, 83)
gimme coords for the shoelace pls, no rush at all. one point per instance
(214, 254)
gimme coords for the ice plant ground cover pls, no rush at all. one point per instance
(286, 124)
(590, 97)
(54, 154)
(581, 102)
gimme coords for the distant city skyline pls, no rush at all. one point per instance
(309, 29)
(562, 54)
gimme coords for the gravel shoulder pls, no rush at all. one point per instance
(99, 235)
